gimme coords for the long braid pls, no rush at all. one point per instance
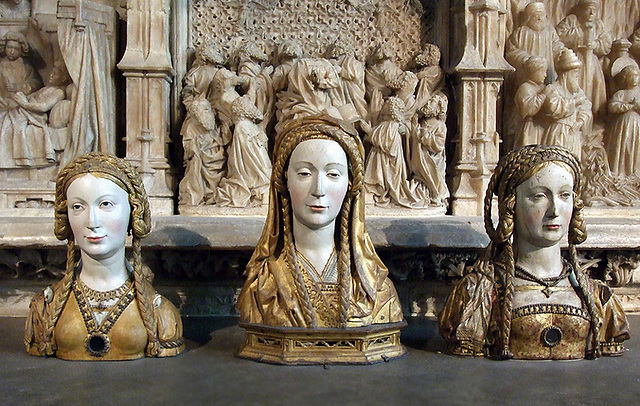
(59, 300)
(577, 235)
(144, 294)
(308, 312)
(593, 349)
(344, 262)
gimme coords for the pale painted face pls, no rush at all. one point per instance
(99, 214)
(544, 205)
(317, 179)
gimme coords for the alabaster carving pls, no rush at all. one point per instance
(21, 144)
(203, 139)
(522, 299)
(588, 37)
(314, 266)
(104, 308)
(567, 107)
(248, 163)
(624, 134)
(15, 9)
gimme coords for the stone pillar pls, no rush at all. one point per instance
(146, 65)
(478, 30)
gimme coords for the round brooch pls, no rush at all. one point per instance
(98, 344)
(551, 336)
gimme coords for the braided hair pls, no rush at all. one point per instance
(127, 178)
(513, 169)
(295, 133)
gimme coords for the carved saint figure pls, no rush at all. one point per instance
(20, 144)
(315, 265)
(384, 79)
(255, 78)
(522, 299)
(529, 100)
(104, 308)
(430, 76)
(623, 147)
(50, 107)
(351, 94)
(535, 37)
(427, 161)
(202, 138)
(567, 107)
(313, 89)
(386, 173)
(589, 38)
(248, 163)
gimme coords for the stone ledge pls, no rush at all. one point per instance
(243, 232)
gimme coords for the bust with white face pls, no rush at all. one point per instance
(99, 213)
(544, 206)
(317, 180)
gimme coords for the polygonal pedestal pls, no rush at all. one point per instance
(304, 346)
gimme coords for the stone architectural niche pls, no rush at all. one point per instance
(479, 74)
(147, 67)
(72, 45)
(622, 268)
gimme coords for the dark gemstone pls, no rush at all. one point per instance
(98, 345)
(551, 336)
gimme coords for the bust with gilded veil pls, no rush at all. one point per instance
(315, 269)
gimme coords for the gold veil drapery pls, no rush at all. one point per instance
(270, 295)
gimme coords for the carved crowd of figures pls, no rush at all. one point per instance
(237, 106)
(575, 85)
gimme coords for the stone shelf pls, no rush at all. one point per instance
(243, 232)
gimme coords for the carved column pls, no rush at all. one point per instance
(147, 68)
(478, 30)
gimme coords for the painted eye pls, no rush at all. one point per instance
(565, 195)
(304, 173)
(106, 205)
(539, 196)
(334, 175)
(76, 207)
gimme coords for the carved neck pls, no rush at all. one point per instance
(104, 274)
(543, 262)
(317, 244)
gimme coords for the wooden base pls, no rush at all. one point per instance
(303, 346)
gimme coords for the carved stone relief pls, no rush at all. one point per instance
(375, 76)
(597, 121)
(45, 124)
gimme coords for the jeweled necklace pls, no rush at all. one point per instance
(547, 283)
(97, 342)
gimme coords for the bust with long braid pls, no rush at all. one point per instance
(522, 299)
(104, 308)
(315, 266)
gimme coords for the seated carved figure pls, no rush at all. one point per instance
(104, 308)
(314, 266)
(522, 299)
